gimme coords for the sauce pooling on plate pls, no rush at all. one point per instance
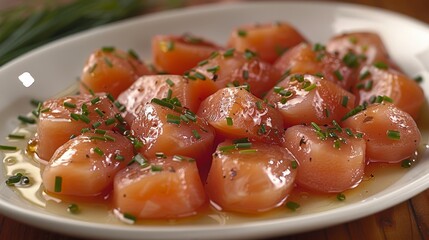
(252, 130)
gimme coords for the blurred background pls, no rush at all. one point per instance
(27, 24)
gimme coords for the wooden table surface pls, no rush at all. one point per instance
(408, 220)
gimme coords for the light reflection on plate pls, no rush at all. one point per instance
(54, 67)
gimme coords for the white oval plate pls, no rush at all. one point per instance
(56, 66)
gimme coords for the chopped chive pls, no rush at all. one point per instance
(110, 97)
(418, 79)
(119, 157)
(8, 148)
(108, 62)
(316, 127)
(101, 138)
(320, 75)
(381, 65)
(407, 163)
(241, 140)
(84, 118)
(95, 100)
(320, 56)
(137, 144)
(85, 110)
(84, 130)
(99, 112)
(247, 151)
(351, 60)
(96, 124)
(12, 180)
(245, 74)
(214, 69)
(229, 121)
(229, 52)
(35, 102)
(353, 112)
(294, 164)
(169, 93)
(69, 105)
(181, 158)
(98, 151)
(344, 101)
(292, 205)
(160, 155)
(393, 134)
(143, 162)
(364, 75)
(108, 49)
(92, 68)
(26, 120)
(110, 121)
(100, 131)
(318, 47)
(243, 145)
(58, 183)
(327, 113)
(338, 74)
(191, 116)
(45, 110)
(241, 32)
(226, 148)
(169, 82)
(349, 132)
(173, 119)
(196, 134)
(297, 77)
(337, 143)
(169, 46)
(310, 87)
(130, 217)
(259, 105)
(199, 76)
(341, 197)
(162, 103)
(16, 136)
(73, 208)
(262, 129)
(156, 168)
(133, 54)
(368, 85)
(202, 63)
(109, 138)
(248, 54)
(213, 55)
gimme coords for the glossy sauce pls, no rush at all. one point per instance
(377, 178)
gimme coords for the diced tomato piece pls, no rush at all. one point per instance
(86, 165)
(315, 60)
(268, 40)
(163, 130)
(62, 118)
(405, 93)
(232, 68)
(391, 134)
(250, 180)
(307, 98)
(360, 49)
(190, 93)
(111, 70)
(177, 54)
(236, 113)
(329, 159)
(162, 188)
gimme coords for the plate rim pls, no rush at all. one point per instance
(71, 226)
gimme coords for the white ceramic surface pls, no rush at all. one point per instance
(57, 65)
